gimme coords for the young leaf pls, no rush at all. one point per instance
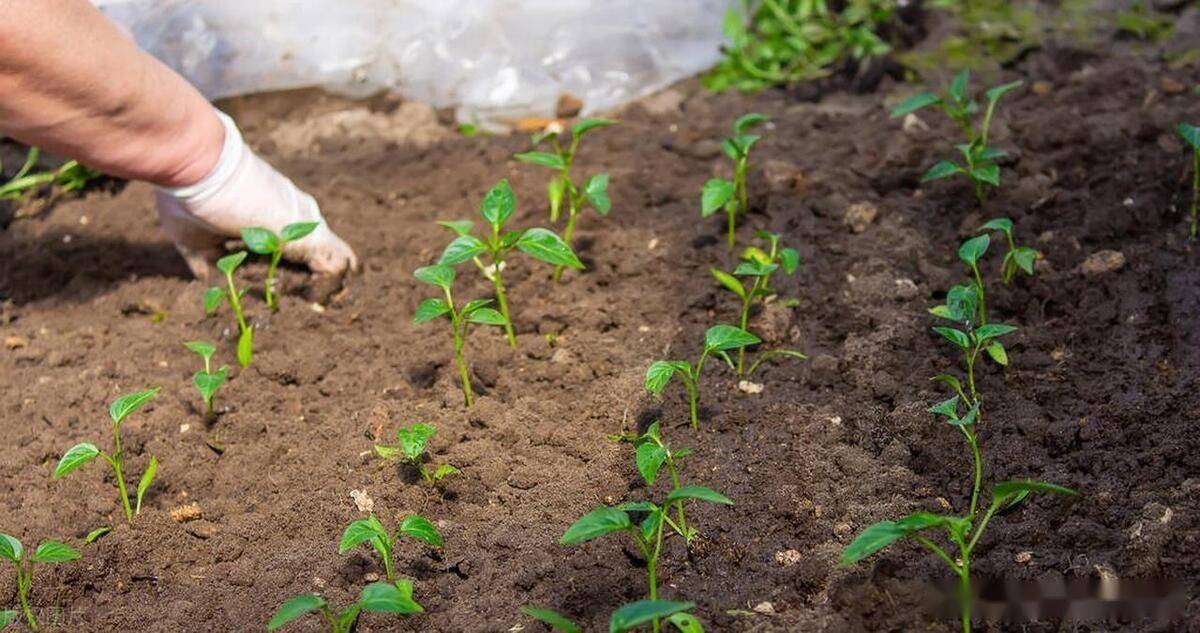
(790, 258)
(990, 154)
(659, 374)
(245, 346)
(545, 159)
(697, 492)
(994, 94)
(414, 439)
(294, 609)
(725, 337)
(212, 298)
(958, 337)
(649, 459)
(229, 263)
(996, 351)
(11, 548)
(382, 597)
(1024, 257)
(597, 523)
(95, 534)
(431, 309)
(145, 481)
(260, 240)
(474, 305)
(387, 452)
(729, 281)
(462, 249)
(205, 350)
(747, 121)
(460, 227)
(998, 224)
(544, 245)
(587, 125)
(439, 275)
(7, 617)
(554, 192)
(1191, 134)
(914, 103)
(958, 86)
(884, 533)
(943, 169)
(988, 172)
(486, 316)
(635, 614)
(297, 230)
(551, 618)
(992, 330)
(1010, 488)
(686, 623)
(948, 408)
(974, 248)
(444, 471)
(498, 204)
(595, 189)
(421, 529)
(715, 194)
(55, 552)
(359, 532)
(949, 381)
(127, 404)
(75, 457)
(207, 383)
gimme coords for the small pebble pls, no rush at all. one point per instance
(787, 558)
(765, 608)
(1106, 261)
(750, 387)
(362, 501)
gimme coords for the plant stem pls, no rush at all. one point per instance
(971, 439)
(269, 284)
(965, 589)
(116, 464)
(569, 232)
(236, 302)
(652, 564)
(1195, 192)
(460, 335)
(678, 504)
(24, 581)
(745, 322)
(502, 300)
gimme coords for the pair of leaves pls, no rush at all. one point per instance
(377, 597)
(264, 241)
(539, 243)
(949, 410)
(370, 529)
(986, 171)
(627, 618)
(50, 552)
(606, 520)
(207, 383)
(411, 442)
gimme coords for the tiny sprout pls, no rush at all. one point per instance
(1191, 135)
(1017, 257)
(474, 312)
(207, 381)
(264, 241)
(979, 159)
(84, 452)
(213, 297)
(49, 552)
(411, 443)
(370, 530)
(758, 265)
(593, 191)
(718, 340)
(627, 618)
(377, 597)
(719, 193)
(542, 244)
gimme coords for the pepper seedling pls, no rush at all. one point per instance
(264, 241)
(206, 380)
(411, 443)
(1191, 135)
(48, 553)
(370, 530)
(560, 189)
(84, 452)
(1017, 257)
(979, 159)
(542, 244)
(377, 597)
(731, 195)
(71, 176)
(629, 617)
(213, 297)
(718, 340)
(474, 312)
(652, 453)
(758, 265)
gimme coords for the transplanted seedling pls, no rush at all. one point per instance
(979, 159)
(49, 552)
(629, 617)
(207, 381)
(758, 265)
(84, 452)
(1191, 135)
(718, 340)
(377, 597)
(560, 189)
(474, 312)
(410, 446)
(71, 176)
(264, 241)
(213, 297)
(370, 530)
(652, 454)
(1017, 258)
(542, 244)
(731, 195)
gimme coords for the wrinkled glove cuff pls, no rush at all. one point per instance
(233, 152)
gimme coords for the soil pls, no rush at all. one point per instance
(1100, 396)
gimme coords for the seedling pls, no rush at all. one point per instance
(377, 597)
(719, 193)
(410, 446)
(474, 312)
(49, 553)
(979, 159)
(213, 297)
(1191, 134)
(370, 530)
(560, 189)
(1017, 258)
(71, 176)
(629, 617)
(84, 452)
(207, 381)
(265, 242)
(718, 340)
(758, 265)
(542, 244)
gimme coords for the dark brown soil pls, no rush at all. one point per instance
(1101, 394)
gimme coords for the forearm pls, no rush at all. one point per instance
(75, 85)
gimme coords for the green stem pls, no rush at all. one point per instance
(24, 581)
(236, 302)
(460, 335)
(387, 559)
(987, 516)
(1195, 192)
(745, 322)
(982, 300)
(974, 443)
(269, 284)
(965, 589)
(678, 504)
(652, 565)
(568, 233)
(115, 460)
(502, 300)
(332, 619)
(937, 550)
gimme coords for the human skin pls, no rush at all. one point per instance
(74, 84)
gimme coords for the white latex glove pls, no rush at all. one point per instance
(243, 191)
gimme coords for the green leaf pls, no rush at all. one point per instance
(443, 471)
(544, 245)
(75, 457)
(725, 337)
(747, 121)
(686, 623)
(990, 154)
(382, 597)
(958, 86)
(595, 189)
(205, 350)
(1025, 256)
(127, 404)
(659, 374)
(996, 351)
(207, 383)
(229, 263)
(95, 534)
(597, 523)
(914, 103)
(948, 408)
(431, 309)
(649, 459)
(715, 194)
(992, 330)
(260, 240)
(440, 275)
(545, 159)
(998, 224)
(212, 299)
(8, 617)
(475, 304)
(962, 301)
(1191, 134)
(1006, 489)
(958, 337)
(414, 439)
(145, 481)
(294, 609)
(55, 552)
(460, 227)
(463, 248)
(498, 204)
(973, 249)
(699, 493)
(587, 125)
(487, 316)
(387, 451)
(943, 169)
(11, 548)
(729, 281)
(297, 230)
(790, 258)
(361, 531)
(554, 191)
(552, 618)
(884, 533)
(994, 94)
(635, 614)
(988, 172)
(245, 346)
(949, 381)
(420, 528)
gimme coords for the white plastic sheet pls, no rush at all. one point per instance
(492, 60)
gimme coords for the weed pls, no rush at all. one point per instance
(265, 242)
(207, 381)
(377, 597)
(48, 553)
(213, 297)
(410, 445)
(731, 196)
